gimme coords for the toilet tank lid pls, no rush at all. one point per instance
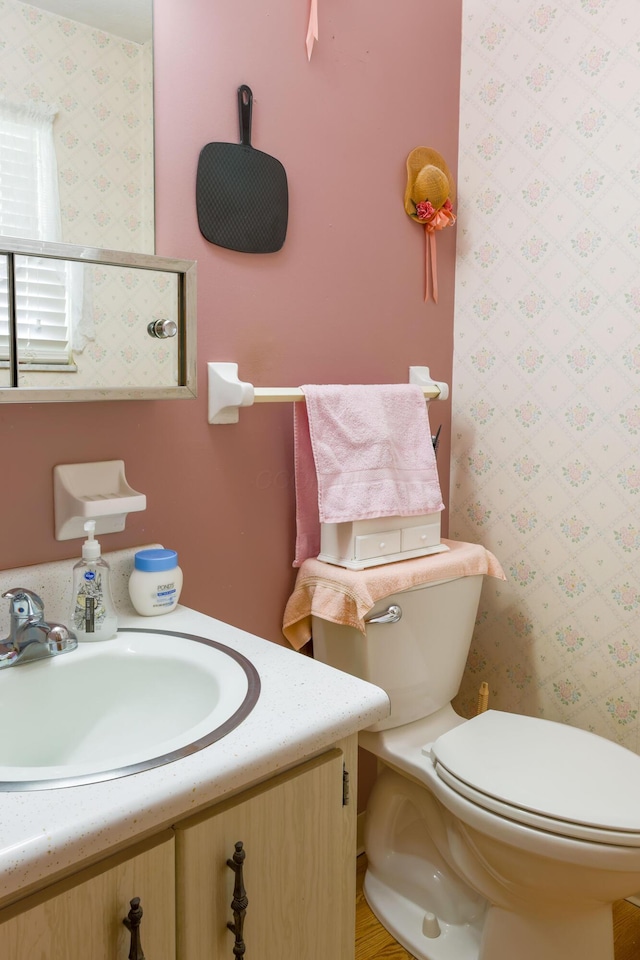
(545, 767)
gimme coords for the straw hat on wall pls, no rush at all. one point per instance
(428, 179)
(428, 199)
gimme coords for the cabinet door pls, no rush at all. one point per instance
(297, 836)
(81, 918)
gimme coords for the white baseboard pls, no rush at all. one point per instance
(635, 900)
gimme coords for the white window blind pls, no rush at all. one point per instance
(42, 308)
(30, 209)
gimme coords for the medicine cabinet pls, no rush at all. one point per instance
(79, 323)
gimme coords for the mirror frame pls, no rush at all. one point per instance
(185, 271)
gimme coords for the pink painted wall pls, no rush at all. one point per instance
(341, 302)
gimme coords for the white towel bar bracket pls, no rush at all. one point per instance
(227, 393)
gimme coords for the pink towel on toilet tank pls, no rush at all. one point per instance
(361, 452)
(346, 596)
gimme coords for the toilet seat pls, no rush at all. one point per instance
(548, 775)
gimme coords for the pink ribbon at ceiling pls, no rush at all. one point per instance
(312, 29)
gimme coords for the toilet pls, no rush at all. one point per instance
(503, 837)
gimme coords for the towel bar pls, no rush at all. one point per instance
(227, 393)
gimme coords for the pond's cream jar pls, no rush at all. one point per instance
(155, 582)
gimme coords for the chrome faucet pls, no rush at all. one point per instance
(30, 636)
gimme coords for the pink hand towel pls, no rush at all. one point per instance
(361, 452)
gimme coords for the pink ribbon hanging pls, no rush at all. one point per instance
(430, 255)
(312, 29)
(438, 221)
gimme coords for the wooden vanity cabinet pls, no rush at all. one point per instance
(298, 838)
(299, 841)
(81, 918)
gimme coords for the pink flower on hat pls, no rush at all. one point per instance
(425, 210)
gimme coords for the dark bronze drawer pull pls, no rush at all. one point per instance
(240, 901)
(132, 923)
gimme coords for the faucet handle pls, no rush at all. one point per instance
(25, 605)
(60, 638)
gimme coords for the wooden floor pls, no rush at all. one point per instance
(374, 943)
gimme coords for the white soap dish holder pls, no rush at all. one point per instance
(92, 491)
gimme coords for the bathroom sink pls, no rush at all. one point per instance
(113, 708)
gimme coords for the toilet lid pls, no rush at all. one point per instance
(547, 774)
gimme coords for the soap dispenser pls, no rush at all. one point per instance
(93, 615)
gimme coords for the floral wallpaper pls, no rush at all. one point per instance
(546, 387)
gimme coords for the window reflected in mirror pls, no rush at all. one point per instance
(5, 371)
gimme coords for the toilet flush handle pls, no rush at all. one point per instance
(391, 615)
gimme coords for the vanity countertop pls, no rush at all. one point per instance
(303, 708)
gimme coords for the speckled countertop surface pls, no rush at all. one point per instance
(303, 708)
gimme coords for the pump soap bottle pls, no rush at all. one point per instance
(93, 614)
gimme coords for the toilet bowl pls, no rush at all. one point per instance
(495, 838)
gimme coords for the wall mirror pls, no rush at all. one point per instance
(76, 85)
(80, 323)
(76, 184)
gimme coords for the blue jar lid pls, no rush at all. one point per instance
(152, 560)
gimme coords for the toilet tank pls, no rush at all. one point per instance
(418, 661)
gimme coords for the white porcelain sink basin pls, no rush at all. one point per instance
(110, 709)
